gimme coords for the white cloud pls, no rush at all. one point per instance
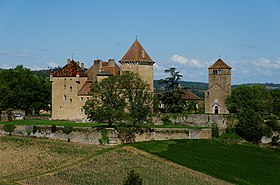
(265, 63)
(187, 62)
(52, 64)
(5, 66)
(159, 67)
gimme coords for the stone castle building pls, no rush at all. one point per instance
(219, 87)
(71, 84)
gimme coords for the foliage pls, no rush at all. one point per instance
(9, 113)
(251, 127)
(104, 137)
(21, 89)
(276, 101)
(53, 128)
(214, 157)
(255, 97)
(126, 134)
(34, 129)
(171, 82)
(9, 128)
(172, 101)
(274, 140)
(133, 178)
(166, 119)
(249, 102)
(125, 98)
(272, 122)
(67, 129)
(215, 130)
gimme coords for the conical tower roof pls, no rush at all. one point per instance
(136, 53)
(219, 64)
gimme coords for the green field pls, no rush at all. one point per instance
(240, 164)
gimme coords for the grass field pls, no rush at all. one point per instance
(240, 164)
(40, 161)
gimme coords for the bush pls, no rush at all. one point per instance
(9, 128)
(272, 123)
(215, 130)
(166, 119)
(34, 130)
(67, 129)
(274, 140)
(133, 178)
(104, 137)
(53, 128)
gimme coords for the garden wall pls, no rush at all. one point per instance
(93, 135)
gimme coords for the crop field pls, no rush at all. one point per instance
(38, 162)
(237, 163)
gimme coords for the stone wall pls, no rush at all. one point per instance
(93, 135)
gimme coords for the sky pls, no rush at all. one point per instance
(189, 35)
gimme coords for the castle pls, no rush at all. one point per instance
(71, 84)
(219, 87)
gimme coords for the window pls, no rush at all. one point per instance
(64, 86)
(70, 100)
(64, 97)
(82, 110)
(219, 72)
(87, 98)
(82, 98)
(207, 93)
(215, 72)
(70, 88)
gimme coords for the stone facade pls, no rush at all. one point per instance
(219, 87)
(71, 84)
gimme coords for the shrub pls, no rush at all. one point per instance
(67, 129)
(272, 123)
(133, 178)
(9, 128)
(53, 128)
(215, 130)
(274, 140)
(104, 137)
(166, 119)
(34, 130)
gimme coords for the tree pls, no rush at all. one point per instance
(172, 101)
(255, 97)
(125, 98)
(21, 89)
(139, 100)
(171, 82)
(133, 178)
(107, 103)
(276, 101)
(249, 102)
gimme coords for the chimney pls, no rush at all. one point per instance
(111, 62)
(68, 61)
(78, 63)
(83, 66)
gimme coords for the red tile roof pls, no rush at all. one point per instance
(70, 70)
(136, 53)
(219, 64)
(85, 89)
(189, 96)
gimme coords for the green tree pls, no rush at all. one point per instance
(133, 178)
(249, 102)
(107, 103)
(125, 99)
(139, 100)
(172, 101)
(276, 101)
(171, 82)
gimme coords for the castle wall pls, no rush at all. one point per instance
(66, 105)
(146, 72)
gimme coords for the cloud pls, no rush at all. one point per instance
(52, 64)
(5, 66)
(16, 54)
(187, 62)
(265, 63)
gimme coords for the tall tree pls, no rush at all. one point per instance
(171, 82)
(125, 98)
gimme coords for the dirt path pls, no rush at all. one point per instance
(183, 168)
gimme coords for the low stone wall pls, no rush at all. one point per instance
(93, 135)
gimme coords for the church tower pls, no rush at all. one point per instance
(219, 87)
(138, 61)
